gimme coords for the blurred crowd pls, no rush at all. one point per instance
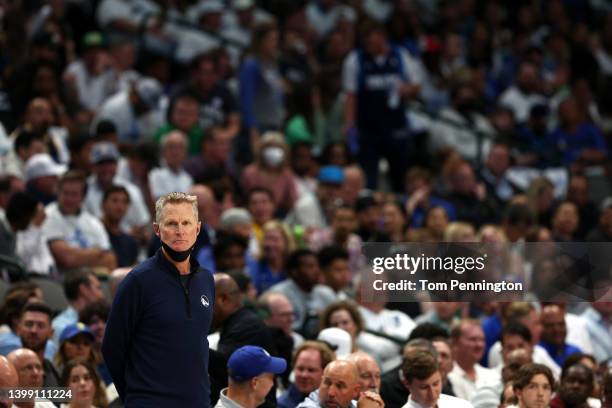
(306, 129)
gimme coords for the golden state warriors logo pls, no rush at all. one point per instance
(204, 301)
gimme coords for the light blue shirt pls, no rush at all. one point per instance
(600, 334)
(67, 317)
(10, 342)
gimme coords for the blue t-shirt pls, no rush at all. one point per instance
(262, 276)
(571, 145)
(560, 355)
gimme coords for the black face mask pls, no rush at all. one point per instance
(177, 256)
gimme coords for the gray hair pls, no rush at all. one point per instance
(165, 138)
(175, 198)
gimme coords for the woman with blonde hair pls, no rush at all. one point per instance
(502, 261)
(541, 200)
(271, 170)
(276, 246)
(459, 232)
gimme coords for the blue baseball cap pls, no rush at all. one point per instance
(74, 330)
(250, 361)
(331, 175)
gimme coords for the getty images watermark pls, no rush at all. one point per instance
(486, 271)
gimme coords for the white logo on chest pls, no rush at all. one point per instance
(204, 301)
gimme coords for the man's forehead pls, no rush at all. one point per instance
(33, 315)
(431, 379)
(178, 210)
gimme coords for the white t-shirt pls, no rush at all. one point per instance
(520, 103)
(162, 181)
(82, 230)
(133, 11)
(130, 128)
(444, 401)
(33, 250)
(390, 322)
(92, 90)
(464, 387)
(137, 214)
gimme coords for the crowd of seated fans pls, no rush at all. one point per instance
(307, 129)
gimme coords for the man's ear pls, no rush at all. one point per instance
(405, 383)
(198, 228)
(357, 391)
(156, 228)
(517, 392)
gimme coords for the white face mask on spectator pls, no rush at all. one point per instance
(273, 156)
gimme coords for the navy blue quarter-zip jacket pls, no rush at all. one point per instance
(155, 345)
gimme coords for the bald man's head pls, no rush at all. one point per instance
(228, 298)
(207, 208)
(8, 379)
(339, 385)
(367, 370)
(28, 366)
(554, 329)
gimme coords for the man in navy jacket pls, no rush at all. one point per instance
(155, 345)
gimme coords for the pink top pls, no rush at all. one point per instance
(281, 184)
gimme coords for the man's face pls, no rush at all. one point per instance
(566, 218)
(185, 114)
(375, 43)
(232, 258)
(426, 392)
(92, 292)
(344, 221)
(116, 206)
(532, 322)
(30, 370)
(261, 207)
(34, 330)
(39, 115)
(281, 314)
(46, 184)
(175, 151)
(308, 271)
(498, 160)
(70, 197)
(514, 342)
(576, 386)
(308, 371)
(578, 191)
(205, 76)
(553, 326)
(97, 325)
(178, 227)
(338, 387)
(536, 394)
(337, 274)
(445, 357)
(301, 160)
(105, 172)
(369, 375)
(471, 343)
